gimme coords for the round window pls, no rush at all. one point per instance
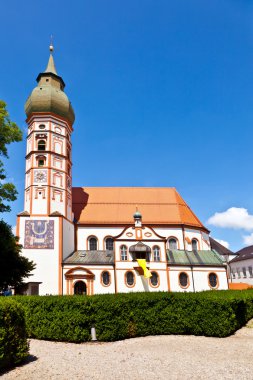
(213, 280)
(183, 279)
(42, 126)
(106, 278)
(154, 279)
(130, 278)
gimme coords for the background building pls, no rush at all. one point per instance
(241, 267)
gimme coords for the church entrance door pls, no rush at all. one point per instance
(80, 288)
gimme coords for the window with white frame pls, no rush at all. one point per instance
(156, 253)
(244, 272)
(250, 272)
(238, 270)
(123, 253)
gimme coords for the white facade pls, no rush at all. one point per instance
(242, 271)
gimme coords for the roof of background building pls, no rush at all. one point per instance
(244, 254)
(116, 205)
(218, 247)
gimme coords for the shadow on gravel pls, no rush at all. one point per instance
(29, 359)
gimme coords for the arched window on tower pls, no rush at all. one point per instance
(93, 244)
(41, 145)
(41, 161)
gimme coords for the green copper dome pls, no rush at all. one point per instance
(49, 95)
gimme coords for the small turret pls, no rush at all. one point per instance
(137, 218)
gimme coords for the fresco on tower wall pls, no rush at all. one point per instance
(39, 234)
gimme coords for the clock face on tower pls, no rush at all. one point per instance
(40, 176)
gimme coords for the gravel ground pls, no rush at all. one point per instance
(162, 357)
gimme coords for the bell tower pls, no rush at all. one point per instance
(45, 227)
(48, 177)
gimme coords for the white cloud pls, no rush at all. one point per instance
(223, 242)
(234, 217)
(248, 239)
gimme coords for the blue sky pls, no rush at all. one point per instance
(162, 91)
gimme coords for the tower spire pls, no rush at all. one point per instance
(51, 66)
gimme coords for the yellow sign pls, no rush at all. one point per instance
(142, 263)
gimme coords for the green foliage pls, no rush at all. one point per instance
(13, 267)
(13, 340)
(121, 316)
(9, 132)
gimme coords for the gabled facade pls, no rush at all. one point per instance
(91, 240)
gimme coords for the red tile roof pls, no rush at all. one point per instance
(116, 205)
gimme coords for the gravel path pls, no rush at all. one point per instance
(158, 357)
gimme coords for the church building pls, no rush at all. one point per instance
(93, 240)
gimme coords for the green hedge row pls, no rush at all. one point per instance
(121, 316)
(13, 340)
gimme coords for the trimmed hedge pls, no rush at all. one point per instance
(13, 341)
(121, 316)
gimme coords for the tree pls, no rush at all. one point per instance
(9, 132)
(13, 266)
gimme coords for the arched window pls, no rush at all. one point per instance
(156, 253)
(172, 243)
(123, 253)
(129, 278)
(41, 160)
(154, 280)
(93, 244)
(106, 278)
(109, 244)
(213, 280)
(194, 244)
(183, 280)
(41, 145)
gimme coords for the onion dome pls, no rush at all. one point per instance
(49, 95)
